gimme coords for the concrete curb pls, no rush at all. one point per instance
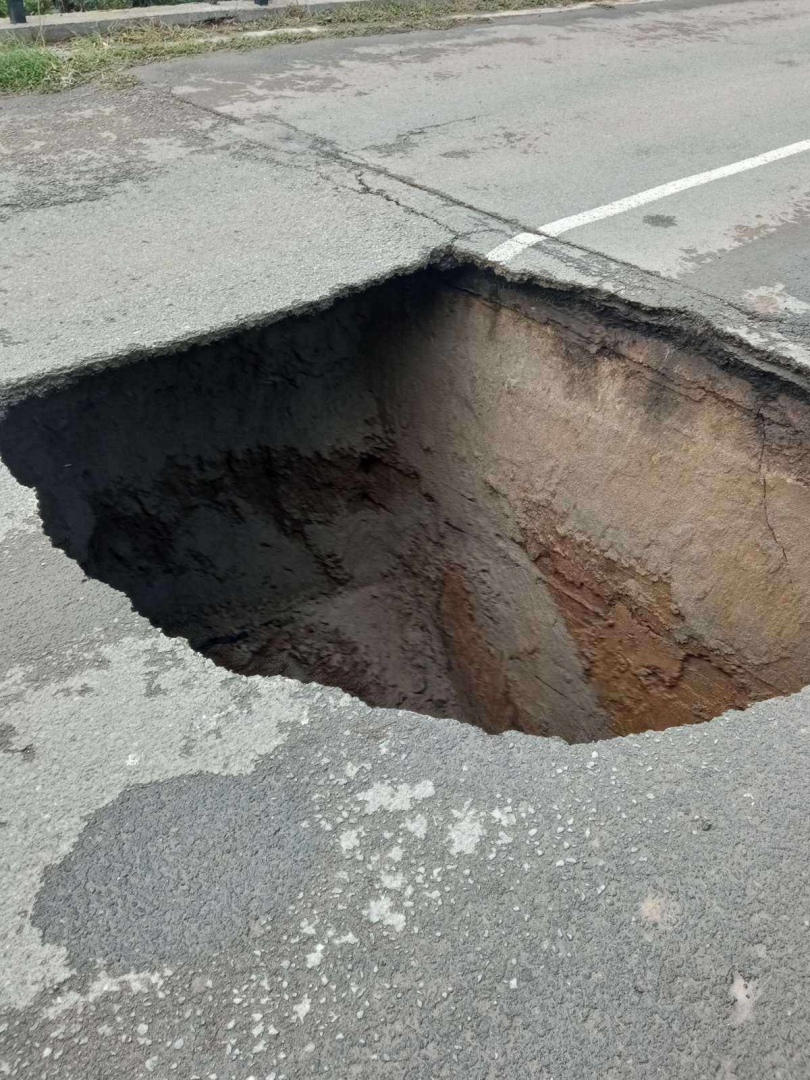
(54, 28)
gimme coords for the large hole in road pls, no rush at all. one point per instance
(513, 505)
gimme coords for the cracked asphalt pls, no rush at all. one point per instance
(221, 878)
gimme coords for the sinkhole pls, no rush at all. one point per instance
(514, 504)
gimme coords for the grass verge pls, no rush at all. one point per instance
(27, 67)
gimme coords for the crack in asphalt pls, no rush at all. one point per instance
(328, 149)
(379, 192)
(404, 136)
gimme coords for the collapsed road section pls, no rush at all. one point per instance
(519, 505)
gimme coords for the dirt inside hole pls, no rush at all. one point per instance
(502, 503)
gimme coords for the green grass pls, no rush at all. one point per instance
(26, 67)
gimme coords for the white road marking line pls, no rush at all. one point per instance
(554, 228)
(510, 248)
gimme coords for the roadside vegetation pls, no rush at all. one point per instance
(36, 66)
(48, 7)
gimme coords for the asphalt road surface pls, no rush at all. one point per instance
(540, 118)
(217, 878)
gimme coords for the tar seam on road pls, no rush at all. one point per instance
(510, 248)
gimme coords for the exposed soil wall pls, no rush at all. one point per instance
(453, 495)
